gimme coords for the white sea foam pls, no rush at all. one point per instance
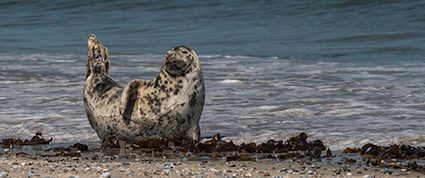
(230, 81)
(294, 112)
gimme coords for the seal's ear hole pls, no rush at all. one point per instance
(107, 63)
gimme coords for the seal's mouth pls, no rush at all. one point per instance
(91, 40)
(175, 65)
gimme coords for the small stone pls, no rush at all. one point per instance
(106, 175)
(266, 174)
(337, 171)
(349, 174)
(388, 172)
(31, 173)
(240, 170)
(94, 157)
(4, 174)
(87, 169)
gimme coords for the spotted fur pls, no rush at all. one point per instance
(169, 106)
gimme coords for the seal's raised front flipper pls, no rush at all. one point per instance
(107, 62)
(129, 97)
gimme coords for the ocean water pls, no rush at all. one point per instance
(345, 72)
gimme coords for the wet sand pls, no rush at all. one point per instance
(133, 163)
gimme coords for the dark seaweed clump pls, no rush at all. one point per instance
(39, 140)
(382, 155)
(36, 140)
(298, 143)
(289, 147)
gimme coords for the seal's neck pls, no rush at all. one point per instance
(97, 65)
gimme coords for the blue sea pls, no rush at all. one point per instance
(347, 72)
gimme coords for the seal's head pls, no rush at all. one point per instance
(97, 56)
(94, 45)
(179, 61)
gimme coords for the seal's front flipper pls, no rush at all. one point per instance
(107, 62)
(129, 97)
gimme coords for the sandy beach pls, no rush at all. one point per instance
(133, 163)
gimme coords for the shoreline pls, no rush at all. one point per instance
(137, 163)
(162, 157)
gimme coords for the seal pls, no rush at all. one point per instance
(169, 106)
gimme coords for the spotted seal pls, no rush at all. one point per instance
(169, 106)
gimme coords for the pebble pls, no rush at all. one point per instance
(266, 174)
(4, 174)
(337, 171)
(388, 172)
(248, 175)
(24, 163)
(31, 173)
(311, 172)
(240, 170)
(106, 175)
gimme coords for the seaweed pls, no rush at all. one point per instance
(35, 140)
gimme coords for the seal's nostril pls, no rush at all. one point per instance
(184, 52)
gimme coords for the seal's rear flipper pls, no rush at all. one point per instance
(129, 97)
